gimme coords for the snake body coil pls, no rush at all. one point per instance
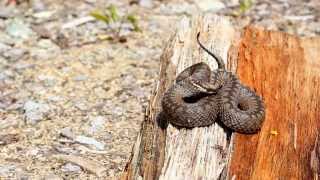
(201, 96)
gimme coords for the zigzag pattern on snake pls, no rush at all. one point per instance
(200, 96)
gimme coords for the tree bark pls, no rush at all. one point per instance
(282, 68)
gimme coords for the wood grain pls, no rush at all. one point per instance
(285, 70)
(172, 153)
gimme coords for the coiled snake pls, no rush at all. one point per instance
(200, 96)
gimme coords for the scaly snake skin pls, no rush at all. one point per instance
(200, 96)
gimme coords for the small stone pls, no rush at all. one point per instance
(7, 12)
(91, 1)
(48, 80)
(52, 176)
(178, 8)
(146, 3)
(38, 5)
(3, 76)
(6, 39)
(210, 5)
(6, 169)
(67, 132)
(4, 48)
(90, 141)
(80, 78)
(35, 112)
(19, 29)
(69, 167)
(81, 105)
(118, 111)
(15, 54)
(45, 49)
(47, 44)
(42, 31)
(43, 14)
(96, 124)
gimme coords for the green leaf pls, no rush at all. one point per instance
(113, 13)
(245, 5)
(100, 16)
(134, 21)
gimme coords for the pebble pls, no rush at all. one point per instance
(43, 14)
(81, 105)
(6, 39)
(90, 141)
(35, 111)
(96, 124)
(45, 49)
(177, 8)
(5, 170)
(38, 5)
(210, 5)
(7, 12)
(146, 3)
(19, 29)
(67, 132)
(4, 48)
(15, 54)
(69, 167)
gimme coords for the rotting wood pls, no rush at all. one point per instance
(170, 153)
(286, 70)
(282, 68)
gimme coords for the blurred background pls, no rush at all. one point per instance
(75, 75)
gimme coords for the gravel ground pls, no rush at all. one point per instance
(66, 89)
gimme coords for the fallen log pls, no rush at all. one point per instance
(283, 69)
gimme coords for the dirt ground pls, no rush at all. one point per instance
(69, 95)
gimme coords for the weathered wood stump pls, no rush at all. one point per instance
(282, 68)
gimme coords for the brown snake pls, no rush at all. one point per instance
(200, 96)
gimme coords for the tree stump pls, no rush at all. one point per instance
(283, 69)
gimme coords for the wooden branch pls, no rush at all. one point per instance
(284, 69)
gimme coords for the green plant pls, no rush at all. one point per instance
(111, 15)
(244, 6)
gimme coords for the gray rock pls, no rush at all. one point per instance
(5, 170)
(69, 167)
(67, 132)
(38, 5)
(15, 54)
(43, 14)
(118, 111)
(45, 49)
(96, 124)
(3, 76)
(35, 111)
(90, 141)
(4, 48)
(146, 3)
(6, 39)
(48, 80)
(7, 12)
(81, 105)
(178, 8)
(210, 5)
(19, 29)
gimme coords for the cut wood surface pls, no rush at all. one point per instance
(284, 69)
